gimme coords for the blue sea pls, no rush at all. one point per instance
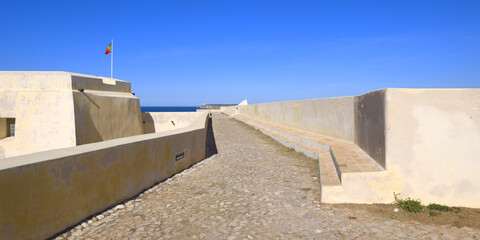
(169, 109)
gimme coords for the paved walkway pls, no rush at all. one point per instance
(348, 156)
(252, 189)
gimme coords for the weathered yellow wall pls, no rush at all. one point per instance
(101, 116)
(42, 104)
(106, 109)
(46, 192)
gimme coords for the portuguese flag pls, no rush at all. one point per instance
(109, 49)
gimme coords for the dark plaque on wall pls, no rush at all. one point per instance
(179, 156)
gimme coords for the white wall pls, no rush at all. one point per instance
(433, 144)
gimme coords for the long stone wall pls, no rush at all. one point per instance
(45, 192)
(330, 116)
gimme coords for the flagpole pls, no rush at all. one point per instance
(111, 64)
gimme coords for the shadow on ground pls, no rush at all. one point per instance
(210, 146)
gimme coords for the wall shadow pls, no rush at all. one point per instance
(211, 145)
(85, 128)
(369, 115)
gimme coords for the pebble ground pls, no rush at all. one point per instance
(251, 189)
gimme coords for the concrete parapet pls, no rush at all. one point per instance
(330, 116)
(46, 192)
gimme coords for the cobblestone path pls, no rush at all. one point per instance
(252, 189)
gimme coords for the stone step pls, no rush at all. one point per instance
(348, 156)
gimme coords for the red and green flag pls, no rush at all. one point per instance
(109, 49)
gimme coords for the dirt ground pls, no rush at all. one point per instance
(459, 217)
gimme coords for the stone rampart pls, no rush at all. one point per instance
(330, 116)
(45, 192)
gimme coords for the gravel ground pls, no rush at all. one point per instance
(254, 188)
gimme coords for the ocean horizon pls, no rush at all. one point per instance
(169, 108)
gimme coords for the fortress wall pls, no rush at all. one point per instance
(46, 192)
(329, 116)
(369, 121)
(162, 121)
(101, 115)
(50, 112)
(106, 109)
(42, 105)
(433, 144)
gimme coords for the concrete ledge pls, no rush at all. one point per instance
(46, 192)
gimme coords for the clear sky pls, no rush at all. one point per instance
(185, 53)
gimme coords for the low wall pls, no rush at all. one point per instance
(163, 121)
(330, 116)
(45, 192)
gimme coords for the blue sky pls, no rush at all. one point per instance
(185, 53)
